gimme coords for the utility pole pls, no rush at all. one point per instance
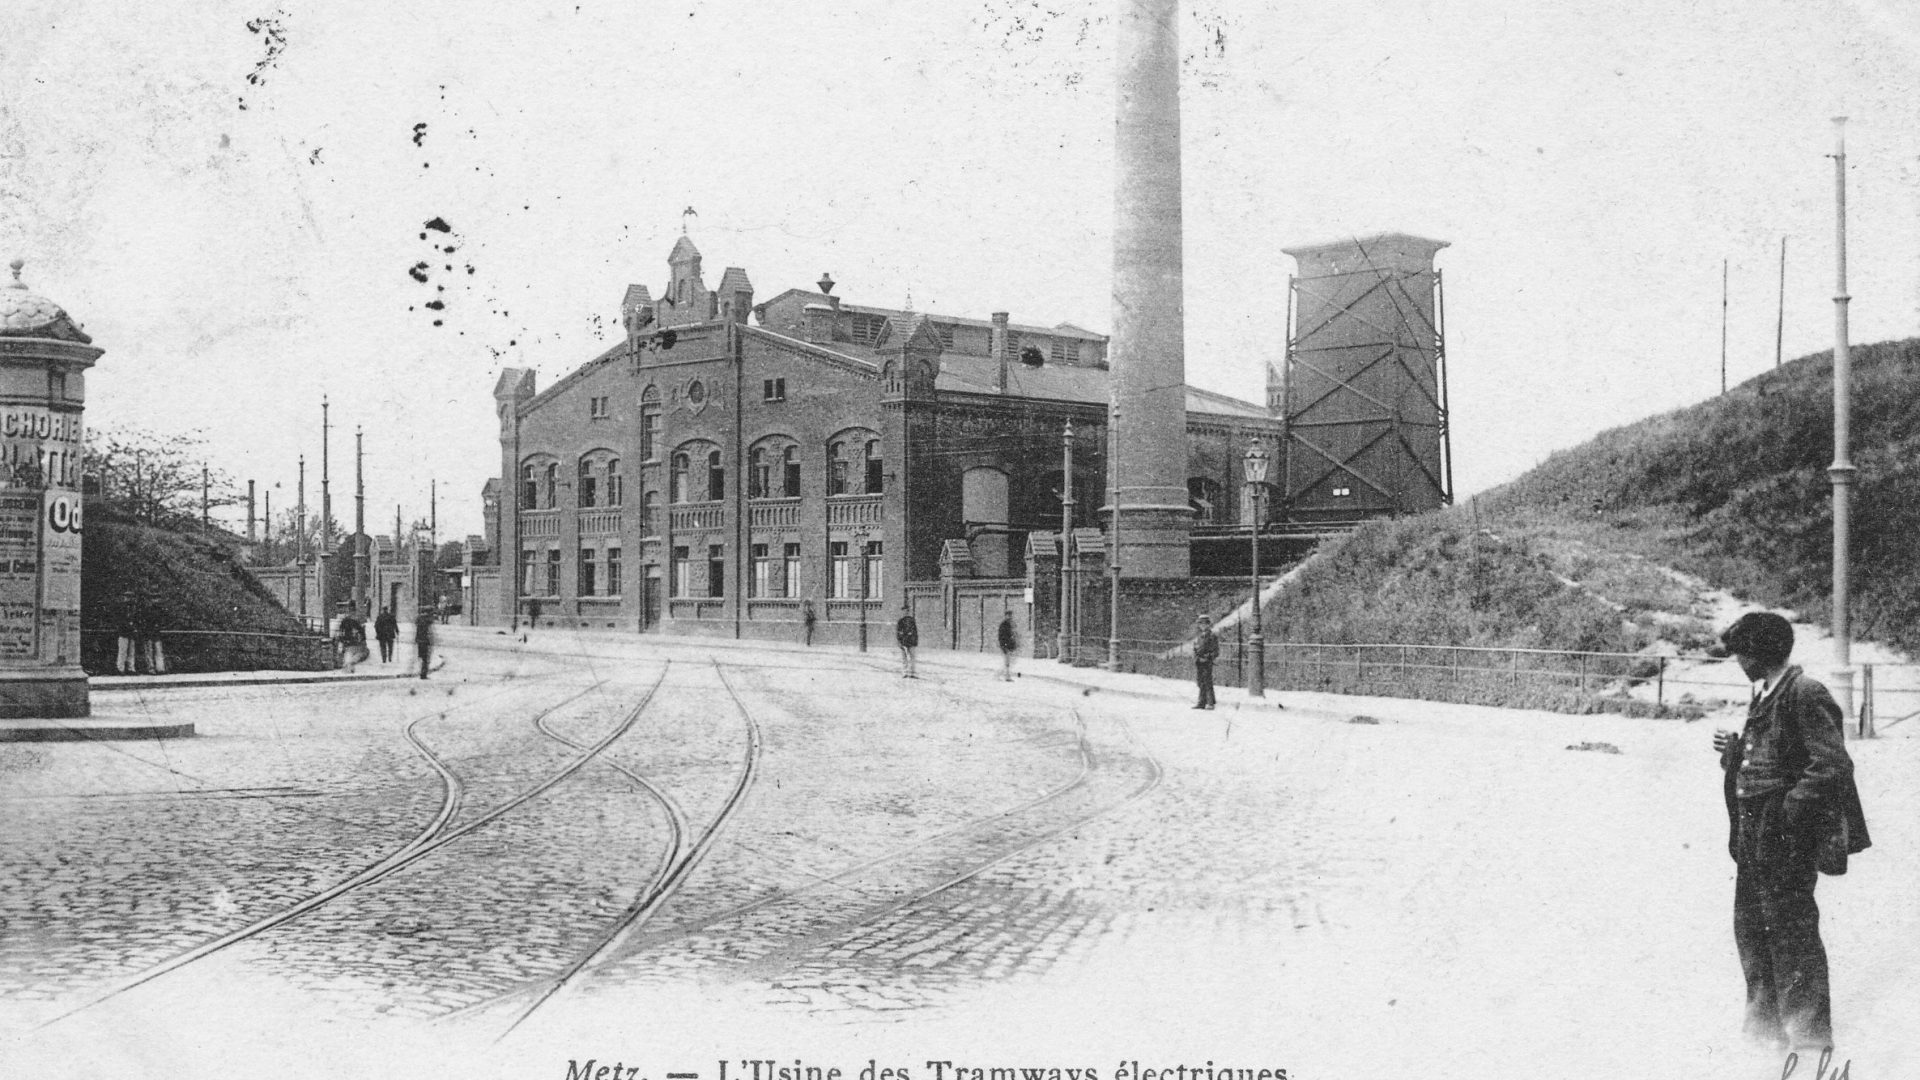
(1780, 319)
(1842, 470)
(251, 534)
(325, 553)
(300, 536)
(268, 532)
(205, 521)
(1066, 540)
(359, 526)
(1113, 533)
(1723, 326)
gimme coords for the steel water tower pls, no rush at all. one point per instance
(1363, 388)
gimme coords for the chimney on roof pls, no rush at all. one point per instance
(1000, 352)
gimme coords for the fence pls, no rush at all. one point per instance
(1561, 680)
(189, 651)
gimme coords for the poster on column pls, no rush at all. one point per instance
(60, 575)
(19, 573)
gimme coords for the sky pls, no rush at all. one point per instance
(232, 198)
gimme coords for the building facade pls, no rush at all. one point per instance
(730, 463)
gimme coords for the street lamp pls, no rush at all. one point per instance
(1257, 459)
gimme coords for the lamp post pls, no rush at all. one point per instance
(1841, 472)
(1064, 643)
(1257, 459)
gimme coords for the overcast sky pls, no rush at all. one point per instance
(230, 196)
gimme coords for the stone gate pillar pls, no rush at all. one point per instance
(43, 360)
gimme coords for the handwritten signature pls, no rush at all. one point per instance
(1820, 1071)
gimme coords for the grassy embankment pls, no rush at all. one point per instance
(1578, 552)
(176, 580)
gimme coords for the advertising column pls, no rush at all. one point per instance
(43, 360)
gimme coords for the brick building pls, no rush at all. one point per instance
(729, 460)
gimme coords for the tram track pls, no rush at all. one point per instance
(429, 839)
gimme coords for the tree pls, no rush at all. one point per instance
(156, 478)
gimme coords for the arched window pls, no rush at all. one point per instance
(875, 473)
(677, 480)
(529, 487)
(616, 493)
(837, 468)
(716, 477)
(759, 473)
(790, 472)
(553, 486)
(585, 484)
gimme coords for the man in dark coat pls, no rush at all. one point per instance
(1788, 785)
(1206, 649)
(1009, 641)
(907, 633)
(386, 630)
(423, 639)
(808, 617)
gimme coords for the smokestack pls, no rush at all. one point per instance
(1000, 352)
(251, 533)
(1152, 518)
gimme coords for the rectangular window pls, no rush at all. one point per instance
(586, 486)
(840, 566)
(616, 486)
(773, 389)
(874, 564)
(763, 583)
(682, 581)
(529, 489)
(597, 408)
(613, 571)
(553, 571)
(529, 561)
(650, 433)
(1064, 351)
(790, 575)
(716, 477)
(716, 570)
(837, 469)
(553, 487)
(875, 473)
(759, 476)
(647, 501)
(585, 581)
(791, 470)
(1341, 492)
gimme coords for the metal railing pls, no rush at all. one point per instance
(196, 651)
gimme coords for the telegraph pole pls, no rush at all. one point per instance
(300, 537)
(1723, 326)
(1780, 321)
(325, 560)
(1066, 539)
(1113, 533)
(1842, 470)
(359, 526)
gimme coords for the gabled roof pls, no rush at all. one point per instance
(909, 330)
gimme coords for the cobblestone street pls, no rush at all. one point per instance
(563, 839)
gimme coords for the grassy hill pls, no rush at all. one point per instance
(1579, 553)
(213, 614)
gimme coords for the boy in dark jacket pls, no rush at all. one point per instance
(1009, 641)
(907, 633)
(1788, 784)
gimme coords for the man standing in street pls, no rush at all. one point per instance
(808, 618)
(1206, 649)
(423, 639)
(1792, 811)
(386, 630)
(1009, 641)
(907, 633)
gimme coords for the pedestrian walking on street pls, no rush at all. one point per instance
(386, 630)
(807, 618)
(1206, 649)
(1792, 812)
(533, 617)
(352, 635)
(907, 633)
(147, 619)
(423, 639)
(1008, 643)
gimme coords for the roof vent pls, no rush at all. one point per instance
(826, 284)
